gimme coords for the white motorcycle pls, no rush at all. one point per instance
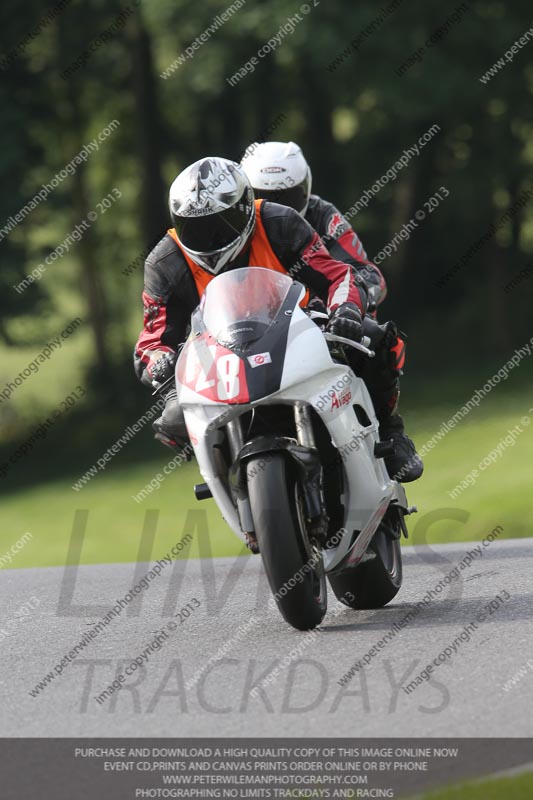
(287, 442)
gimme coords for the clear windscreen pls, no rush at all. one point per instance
(252, 296)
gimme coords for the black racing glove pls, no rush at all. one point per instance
(316, 304)
(347, 321)
(161, 369)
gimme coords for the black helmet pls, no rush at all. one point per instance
(212, 208)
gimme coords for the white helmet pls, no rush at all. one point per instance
(212, 208)
(279, 172)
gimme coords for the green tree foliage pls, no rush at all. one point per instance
(353, 121)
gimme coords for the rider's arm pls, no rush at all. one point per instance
(167, 308)
(304, 256)
(344, 244)
(346, 249)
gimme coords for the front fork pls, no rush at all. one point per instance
(305, 458)
(312, 488)
(302, 422)
(236, 443)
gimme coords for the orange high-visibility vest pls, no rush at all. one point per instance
(261, 255)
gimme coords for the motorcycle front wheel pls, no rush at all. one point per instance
(292, 562)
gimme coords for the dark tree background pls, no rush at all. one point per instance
(352, 123)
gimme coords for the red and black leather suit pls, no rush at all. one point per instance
(344, 244)
(173, 286)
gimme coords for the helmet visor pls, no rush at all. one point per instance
(295, 196)
(212, 232)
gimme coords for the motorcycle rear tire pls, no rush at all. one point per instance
(373, 583)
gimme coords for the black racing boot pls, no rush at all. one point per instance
(179, 444)
(170, 428)
(405, 464)
(382, 377)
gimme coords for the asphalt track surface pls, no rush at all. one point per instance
(465, 696)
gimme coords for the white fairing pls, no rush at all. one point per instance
(310, 376)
